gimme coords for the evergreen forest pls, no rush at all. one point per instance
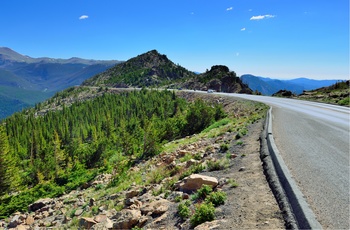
(52, 154)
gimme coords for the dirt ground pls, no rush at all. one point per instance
(251, 205)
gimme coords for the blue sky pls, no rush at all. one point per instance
(271, 38)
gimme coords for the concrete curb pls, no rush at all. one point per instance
(299, 208)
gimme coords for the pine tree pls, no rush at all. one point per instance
(9, 177)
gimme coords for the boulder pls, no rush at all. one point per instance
(100, 218)
(195, 181)
(30, 220)
(40, 204)
(21, 227)
(86, 222)
(105, 224)
(156, 207)
(126, 219)
(132, 193)
(215, 224)
(16, 220)
(78, 212)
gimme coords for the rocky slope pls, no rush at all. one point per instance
(226, 157)
(152, 69)
(148, 69)
(220, 79)
(337, 93)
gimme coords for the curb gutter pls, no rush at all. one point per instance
(297, 212)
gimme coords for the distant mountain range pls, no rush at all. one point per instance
(25, 81)
(268, 86)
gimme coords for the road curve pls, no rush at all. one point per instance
(313, 140)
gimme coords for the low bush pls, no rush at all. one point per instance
(216, 198)
(184, 210)
(217, 165)
(204, 212)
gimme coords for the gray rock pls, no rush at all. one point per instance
(78, 212)
(86, 222)
(40, 204)
(126, 219)
(195, 181)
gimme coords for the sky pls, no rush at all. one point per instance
(270, 38)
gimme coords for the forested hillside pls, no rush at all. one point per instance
(148, 69)
(45, 156)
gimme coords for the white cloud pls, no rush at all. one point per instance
(230, 8)
(82, 17)
(260, 17)
(243, 29)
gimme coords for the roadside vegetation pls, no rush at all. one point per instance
(55, 153)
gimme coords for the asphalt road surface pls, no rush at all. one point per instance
(313, 140)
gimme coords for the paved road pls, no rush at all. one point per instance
(313, 139)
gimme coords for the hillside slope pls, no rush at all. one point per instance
(39, 78)
(337, 93)
(148, 69)
(97, 169)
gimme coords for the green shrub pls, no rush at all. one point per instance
(344, 101)
(232, 183)
(217, 165)
(239, 143)
(217, 198)
(94, 210)
(202, 193)
(204, 212)
(184, 210)
(224, 148)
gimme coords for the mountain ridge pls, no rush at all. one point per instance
(152, 69)
(269, 86)
(26, 76)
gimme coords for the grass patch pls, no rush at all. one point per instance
(217, 124)
(218, 164)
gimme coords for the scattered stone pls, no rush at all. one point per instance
(86, 222)
(126, 219)
(132, 193)
(191, 162)
(185, 196)
(78, 212)
(195, 181)
(105, 224)
(156, 207)
(30, 220)
(92, 202)
(182, 153)
(242, 169)
(21, 227)
(100, 218)
(215, 224)
(40, 204)
(16, 220)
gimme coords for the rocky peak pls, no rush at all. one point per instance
(219, 68)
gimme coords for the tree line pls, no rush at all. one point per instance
(65, 148)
